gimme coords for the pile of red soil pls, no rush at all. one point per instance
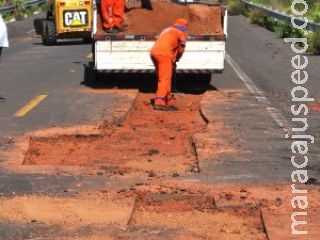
(146, 141)
(202, 19)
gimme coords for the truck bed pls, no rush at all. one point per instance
(129, 51)
(203, 19)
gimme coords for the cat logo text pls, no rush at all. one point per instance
(75, 18)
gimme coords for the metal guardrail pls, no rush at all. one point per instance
(312, 26)
(11, 8)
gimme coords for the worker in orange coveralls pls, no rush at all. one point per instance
(112, 15)
(167, 50)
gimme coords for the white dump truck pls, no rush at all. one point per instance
(128, 51)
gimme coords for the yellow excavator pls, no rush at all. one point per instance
(70, 19)
(65, 19)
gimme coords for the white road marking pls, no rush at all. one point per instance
(259, 94)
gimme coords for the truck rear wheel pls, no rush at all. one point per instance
(49, 33)
(87, 39)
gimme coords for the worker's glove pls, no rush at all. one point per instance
(110, 20)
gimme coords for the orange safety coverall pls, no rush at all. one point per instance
(167, 50)
(112, 13)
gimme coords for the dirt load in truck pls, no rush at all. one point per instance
(129, 50)
(202, 19)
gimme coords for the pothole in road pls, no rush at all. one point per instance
(83, 210)
(163, 209)
(196, 217)
(156, 216)
(146, 141)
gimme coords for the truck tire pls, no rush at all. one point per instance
(93, 50)
(38, 25)
(49, 33)
(97, 76)
(43, 31)
(50, 15)
(87, 39)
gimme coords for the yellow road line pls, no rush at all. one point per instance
(30, 105)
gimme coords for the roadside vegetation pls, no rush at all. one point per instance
(235, 7)
(313, 12)
(20, 10)
(281, 29)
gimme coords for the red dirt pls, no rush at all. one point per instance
(314, 106)
(179, 210)
(85, 209)
(224, 211)
(158, 142)
(202, 19)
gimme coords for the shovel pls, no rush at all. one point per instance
(175, 92)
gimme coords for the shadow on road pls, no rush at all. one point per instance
(65, 42)
(146, 82)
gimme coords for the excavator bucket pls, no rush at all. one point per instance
(146, 4)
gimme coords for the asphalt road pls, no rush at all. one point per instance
(29, 70)
(266, 61)
(58, 76)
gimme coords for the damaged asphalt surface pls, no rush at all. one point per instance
(254, 173)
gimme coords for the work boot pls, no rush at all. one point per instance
(169, 100)
(111, 30)
(159, 103)
(159, 107)
(165, 108)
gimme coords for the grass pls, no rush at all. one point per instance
(20, 10)
(281, 29)
(313, 11)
